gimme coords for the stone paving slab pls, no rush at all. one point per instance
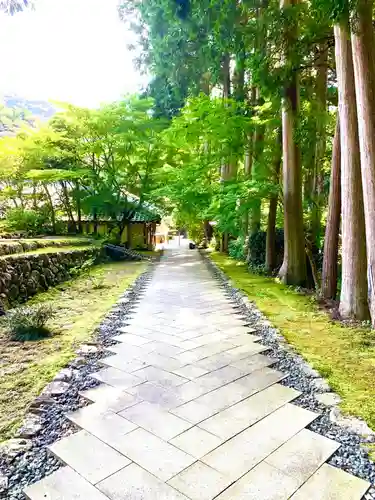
(190, 408)
(131, 339)
(90, 457)
(134, 483)
(303, 454)
(117, 378)
(127, 350)
(123, 363)
(263, 482)
(110, 398)
(153, 419)
(159, 376)
(242, 415)
(329, 483)
(200, 482)
(240, 454)
(64, 484)
(164, 348)
(212, 402)
(158, 457)
(196, 442)
(161, 361)
(166, 398)
(104, 424)
(190, 371)
(229, 357)
(253, 363)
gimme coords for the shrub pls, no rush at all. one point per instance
(28, 323)
(28, 221)
(237, 249)
(257, 248)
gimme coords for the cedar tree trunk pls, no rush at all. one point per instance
(364, 72)
(321, 101)
(272, 212)
(293, 270)
(353, 299)
(331, 241)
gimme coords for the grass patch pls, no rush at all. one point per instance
(344, 355)
(79, 305)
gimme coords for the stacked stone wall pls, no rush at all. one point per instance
(23, 276)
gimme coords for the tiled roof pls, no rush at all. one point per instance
(145, 215)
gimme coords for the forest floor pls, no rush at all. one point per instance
(79, 305)
(344, 355)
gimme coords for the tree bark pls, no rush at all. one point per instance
(226, 169)
(271, 260)
(258, 147)
(239, 78)
(364, 72)
(95, 218)
(226, 76)
(353, 298)
(35, 196)
(79, 210)
(321, 105)
(208, 231)
(331, 241)
(66, 203)
(293, 269)
(52, 208)
(248, 161)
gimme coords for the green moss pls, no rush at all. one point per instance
(344, 355)
(80, 306)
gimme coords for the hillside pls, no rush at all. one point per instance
(14, 110)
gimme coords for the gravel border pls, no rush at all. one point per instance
(352, 455)
(34, 463)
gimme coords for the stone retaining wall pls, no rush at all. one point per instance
(12, 246)
(23, 276)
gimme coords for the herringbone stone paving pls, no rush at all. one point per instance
(190, 407)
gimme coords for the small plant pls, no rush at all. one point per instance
(97, 282)
(28, 323)
(83, 269)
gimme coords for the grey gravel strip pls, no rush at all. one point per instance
(34, 462)
(352, 456)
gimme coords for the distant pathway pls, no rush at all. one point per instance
(190, 408)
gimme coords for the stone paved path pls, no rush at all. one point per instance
(191, 408)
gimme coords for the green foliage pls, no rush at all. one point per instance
(257, 248)
(84, 268)
(28, 323)
(84, 162)
(196, 142)
(114, 236)
(30, 222)
(237, 248)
